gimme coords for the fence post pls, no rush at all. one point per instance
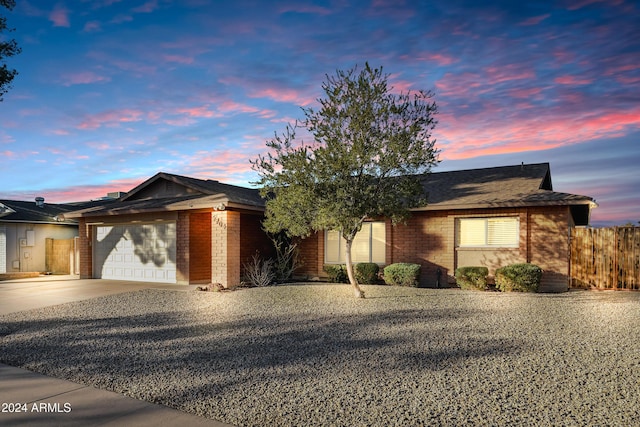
(616, 252)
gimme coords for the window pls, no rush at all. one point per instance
(503, 232)
(368, 245)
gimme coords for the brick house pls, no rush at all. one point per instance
(481, 217)
(184, 230)
(173, 229)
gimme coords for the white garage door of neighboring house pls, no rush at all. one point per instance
(3, 250)
(138, 252)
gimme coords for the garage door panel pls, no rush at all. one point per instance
(142, 252)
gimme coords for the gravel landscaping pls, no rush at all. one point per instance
(312, 355)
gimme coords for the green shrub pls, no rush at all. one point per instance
(337, 273)
(402, 274)
(518, 278)
(472, 278)
(366, 272)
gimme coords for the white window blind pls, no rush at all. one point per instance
(502, 231)
(493, 232)
(472, 232)
(368, 245)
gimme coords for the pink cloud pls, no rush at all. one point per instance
(579, 4)
(268, 90)
(111, 118)
(525, 93)
(82, 192)
(197, 112)
(100, 146)
(438, 58)
(236, 107)
(459, 140)
(181, 59)
(221, 165)
(59, 16)
(5, 138)
(181, 121)
(507, 73)
(84, 77)
(8, 154)
(281, 95)
(92, 26)
(396, 9)
(535, 20)
(459, 85)
(148, 7)
(571, 80)
(305, 8)
(119, 19)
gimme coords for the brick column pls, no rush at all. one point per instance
(225, 248)
(86, 250)
(182, 248)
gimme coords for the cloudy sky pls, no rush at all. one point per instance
(112, 91)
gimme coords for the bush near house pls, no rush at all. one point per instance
(402, 274)
(337, 273)
(259, 271)
(366, 272)
(518, 278)
(472, 278)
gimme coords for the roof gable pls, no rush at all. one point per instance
(163, 185)
(168, 192)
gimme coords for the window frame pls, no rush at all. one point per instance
(341, 244)
(486, 244)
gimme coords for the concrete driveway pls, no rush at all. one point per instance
(27, 294)
(85, 406)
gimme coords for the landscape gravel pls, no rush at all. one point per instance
(313, 355)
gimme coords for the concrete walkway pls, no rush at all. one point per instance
(31, 399)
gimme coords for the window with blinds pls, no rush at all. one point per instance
(492, 232)
(368, 245)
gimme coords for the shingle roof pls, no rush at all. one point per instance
(29, 212)
(207, 194)
(507, 186)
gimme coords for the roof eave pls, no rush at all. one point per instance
(217, 202)
(52, 222)
(512, 204)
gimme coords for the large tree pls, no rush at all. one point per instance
(371, 147)
(7, 48)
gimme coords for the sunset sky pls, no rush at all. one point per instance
(111, 92)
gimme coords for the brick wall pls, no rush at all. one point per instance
(225, 248)
(183, 265)
(428, 239)
(86, 254)
(199, 249)
(253, 239)
(312, 254)
(550, 246)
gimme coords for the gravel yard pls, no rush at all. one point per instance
(312, 355)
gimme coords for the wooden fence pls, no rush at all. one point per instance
(605, 258)
(62, 256)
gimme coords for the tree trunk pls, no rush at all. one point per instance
(352, 277)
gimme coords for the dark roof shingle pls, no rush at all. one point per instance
(507, 186)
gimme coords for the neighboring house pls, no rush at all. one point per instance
(481, 217)
(24, 230)
(176, 229)
(173, 229)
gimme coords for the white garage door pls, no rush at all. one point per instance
(139, 252)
